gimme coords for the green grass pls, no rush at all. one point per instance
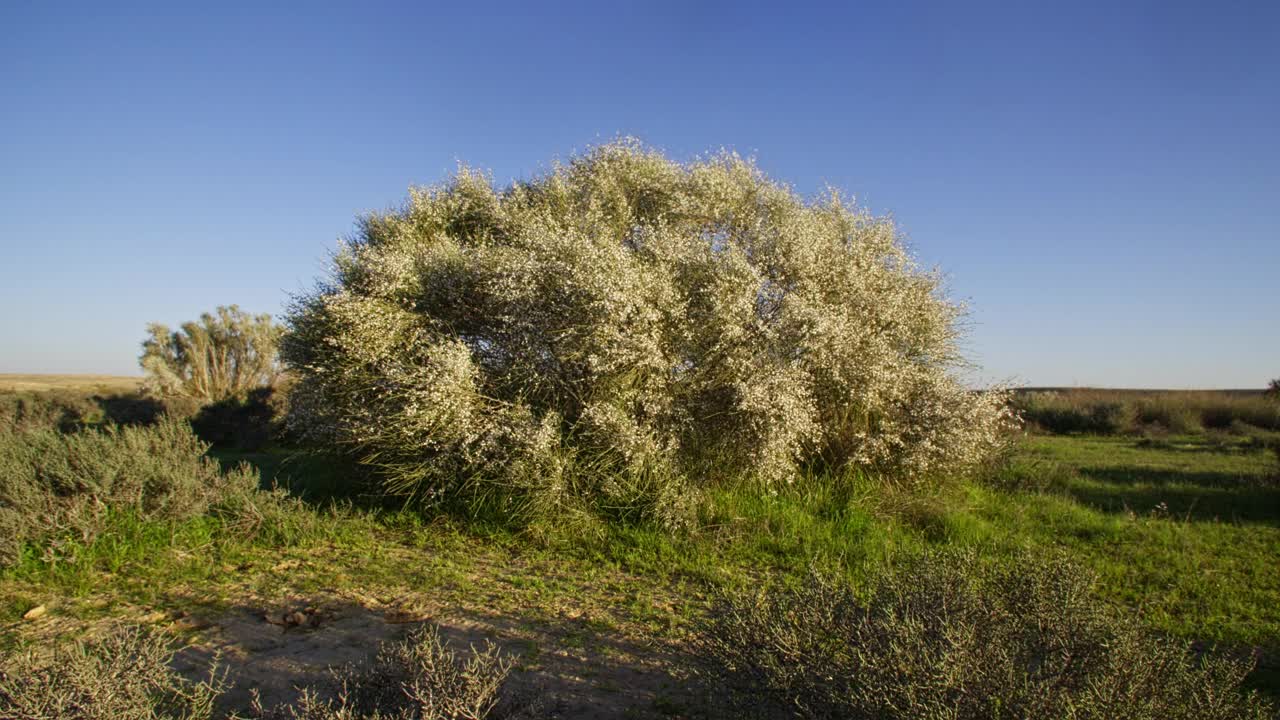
(1186, 531)
(1189, 531)
(1190, 536)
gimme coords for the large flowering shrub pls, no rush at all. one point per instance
(624, 322)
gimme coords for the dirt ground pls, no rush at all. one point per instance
(580, 671)
(584, 657)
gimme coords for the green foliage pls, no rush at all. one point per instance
(1185, 532)
(948, 636)
(1166, 414)
(55, 410)
(69, 410)
(1110, 412)
(125, 675)
(1020, 473)
(224, 355)
(1051, 412)
(64, 485)
(653, 321)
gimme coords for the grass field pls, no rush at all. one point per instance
(14, 382)
(1183, 532)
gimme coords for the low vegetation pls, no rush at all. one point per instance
(1185, 533)
(122, 676)
(53, 410)
(419, 678)
(56, 486)
(948, 635)
(1135, 412)
(128, 675)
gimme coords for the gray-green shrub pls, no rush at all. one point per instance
(419, 678)
(55, 409)
(125, 675)
(651, 320)
(58, 484)
(949, 636)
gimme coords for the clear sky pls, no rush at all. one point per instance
(1099, 181)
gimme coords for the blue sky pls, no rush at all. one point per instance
(1099, 181)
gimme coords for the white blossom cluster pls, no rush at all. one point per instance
(638, 317)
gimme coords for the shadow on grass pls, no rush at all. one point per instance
(1133, 476)
(1190, 495)
(317, 478)
(1200, 445)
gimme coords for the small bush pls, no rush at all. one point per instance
(1167, 415)
(71, 410)
(420, 678)
(1108, 418)
(1053, 412)
(53, 410)
(226, 354)
(1220, 412)
(126, 675)
(950, 637)
(1026, 474)
(56, 484)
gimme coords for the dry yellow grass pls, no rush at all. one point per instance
(41, 383)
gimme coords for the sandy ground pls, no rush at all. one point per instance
(578, 673)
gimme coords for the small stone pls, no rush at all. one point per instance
(191, 623)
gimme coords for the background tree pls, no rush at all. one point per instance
(223, 356)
